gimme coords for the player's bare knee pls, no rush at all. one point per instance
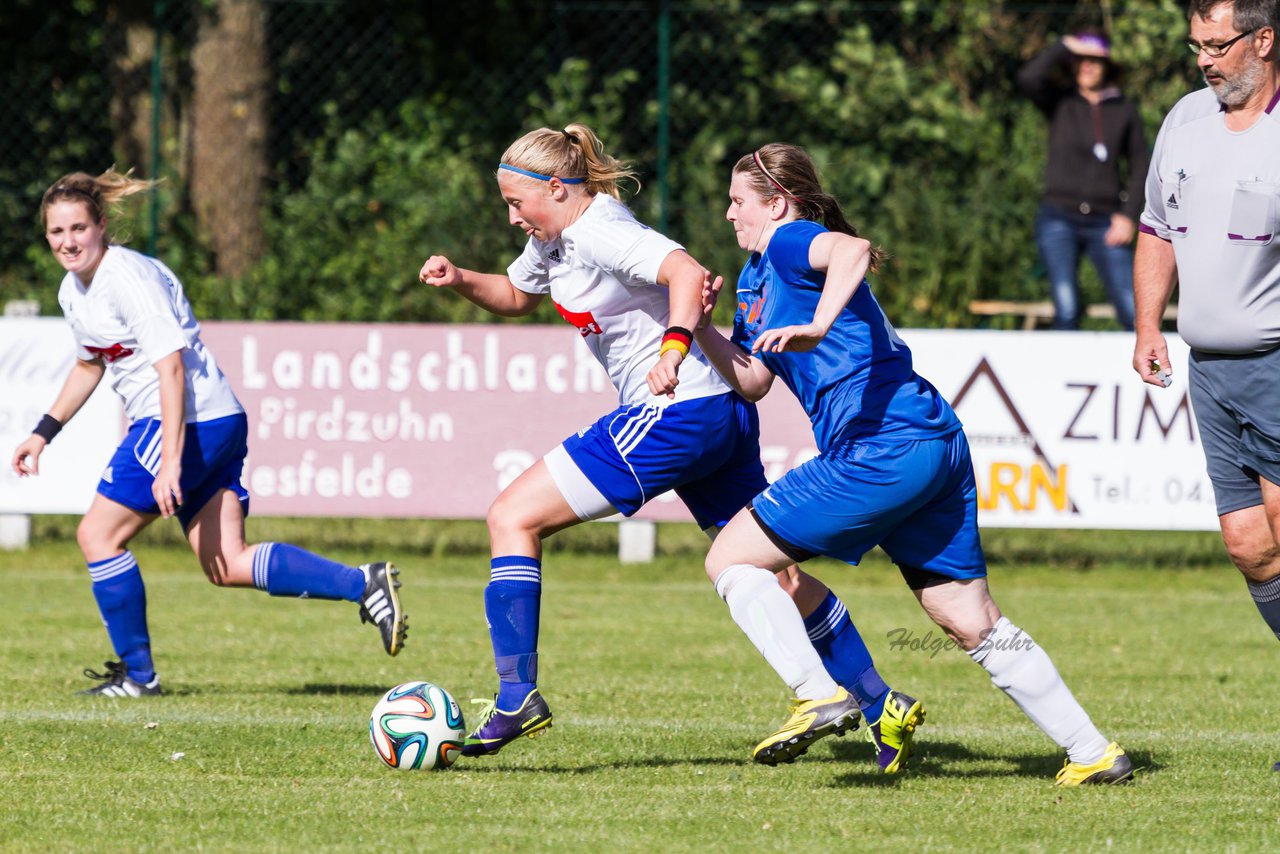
(966, 625)
(1258, 570)
(510, 517)
(1257, 563)
(966, 634)
(717, 561)
(86, 537)
(95, 540)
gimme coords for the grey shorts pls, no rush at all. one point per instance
(1237, 405)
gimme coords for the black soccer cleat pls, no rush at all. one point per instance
(117, 683)
(380, 605)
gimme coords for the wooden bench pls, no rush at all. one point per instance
(1035, 314)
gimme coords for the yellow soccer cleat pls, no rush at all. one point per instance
(810, 720)
(1113, 767)
(894, 732)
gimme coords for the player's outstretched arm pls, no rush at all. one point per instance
(491, 291)
(77, 388)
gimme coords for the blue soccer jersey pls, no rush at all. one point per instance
(859, 380)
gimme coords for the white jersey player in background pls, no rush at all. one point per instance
(186, 444)
(634, 296)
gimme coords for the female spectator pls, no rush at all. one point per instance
(1093, 179)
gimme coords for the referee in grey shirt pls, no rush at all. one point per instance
(1211, 225)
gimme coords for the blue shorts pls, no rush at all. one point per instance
(916, 499)
(706, 449)
(1237, 405)
(212, 458)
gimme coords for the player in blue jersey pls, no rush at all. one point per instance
(185, 447)
(894, 468)
(632, 294)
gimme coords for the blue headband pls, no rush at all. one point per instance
(539, 175)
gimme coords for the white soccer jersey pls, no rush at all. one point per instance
(601, 275)
(1215, 194)
(133, 314)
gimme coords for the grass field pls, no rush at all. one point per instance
(261, 743)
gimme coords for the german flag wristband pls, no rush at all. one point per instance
(676, 338)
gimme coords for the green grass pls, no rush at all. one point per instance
(658, 700)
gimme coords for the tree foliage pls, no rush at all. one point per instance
(387, 122)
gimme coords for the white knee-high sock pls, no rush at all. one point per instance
(1024, 671)
(763, 610)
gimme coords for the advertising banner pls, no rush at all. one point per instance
(433, 420)
(36, 354)
(1065, 435)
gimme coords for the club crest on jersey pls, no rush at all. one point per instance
(750, 307)
(580, 320)
(110, 354)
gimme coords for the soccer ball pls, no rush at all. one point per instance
(417, 726)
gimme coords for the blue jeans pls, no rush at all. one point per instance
(1061, 235)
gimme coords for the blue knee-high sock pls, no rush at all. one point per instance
(285, 570)
(845, 655)
(512, 601)
(122, 600)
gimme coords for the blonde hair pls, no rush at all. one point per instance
(781, 169)
(99, 194)
(575, 152)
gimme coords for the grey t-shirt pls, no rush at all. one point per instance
(1215, 194)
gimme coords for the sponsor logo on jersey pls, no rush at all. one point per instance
(108, 475)
(750, 307)
(580, 320)
(1172, 201)
(554, 255)
(110, 354)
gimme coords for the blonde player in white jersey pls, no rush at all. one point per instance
(634, 296)
(186, 444)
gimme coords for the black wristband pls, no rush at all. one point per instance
(48, 427)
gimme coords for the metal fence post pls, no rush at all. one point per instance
(157, 92)
(664, 110)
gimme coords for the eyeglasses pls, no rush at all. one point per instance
(1216, 50)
